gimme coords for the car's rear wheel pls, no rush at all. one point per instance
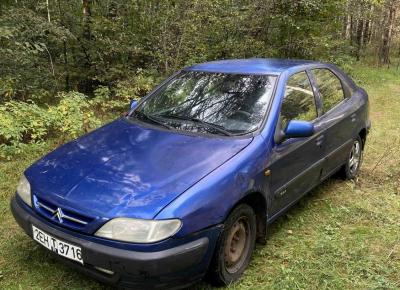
(235, 246)
(354, 160)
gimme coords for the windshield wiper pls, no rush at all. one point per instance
(151, 118)
(217, 128)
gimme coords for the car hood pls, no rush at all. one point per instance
(125, 169)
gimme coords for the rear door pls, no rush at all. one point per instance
(296, 163)
(338, 119)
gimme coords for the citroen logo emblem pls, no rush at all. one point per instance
(59, 214)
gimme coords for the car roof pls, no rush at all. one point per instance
(251, 66)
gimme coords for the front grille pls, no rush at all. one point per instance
(60, 215)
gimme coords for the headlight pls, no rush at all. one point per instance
(138, 230)
(24, 190)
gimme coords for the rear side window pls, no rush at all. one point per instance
(330, 88)
(299, 101)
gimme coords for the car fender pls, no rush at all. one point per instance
(210, 200)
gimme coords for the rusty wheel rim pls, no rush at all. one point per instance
(237, 245)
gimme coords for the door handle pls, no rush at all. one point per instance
(320, 140)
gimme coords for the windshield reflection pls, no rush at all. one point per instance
(233, 102)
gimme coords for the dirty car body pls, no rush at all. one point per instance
(147, 168)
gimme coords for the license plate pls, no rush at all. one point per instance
(62, 248)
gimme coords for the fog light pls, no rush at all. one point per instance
(108, 272)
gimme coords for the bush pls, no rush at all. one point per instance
(73, 115)
(23, 123)
(117, 99)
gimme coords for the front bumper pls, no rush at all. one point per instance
(175, 267)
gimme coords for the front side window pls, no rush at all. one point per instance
(235, 103)
(330, 88)
(299, 101)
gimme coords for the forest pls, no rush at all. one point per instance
(68, 67)
(67, 64)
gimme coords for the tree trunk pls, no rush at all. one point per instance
(359, 37)
(384, 51)
(86, 19)
(86, 85)
(367, 25)
(48, 10)
(67, 86)
(366, 32)
(347, 33)
(351, 36)
(65, 51)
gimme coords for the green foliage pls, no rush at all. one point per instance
(6, 88)
(70, 115)
(23, 123)
(121, 38)
(73, 115)
(103, 58)
(27, 47)
(118, 97)
(135, 87)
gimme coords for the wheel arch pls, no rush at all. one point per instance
(363, 136)
(257, 201)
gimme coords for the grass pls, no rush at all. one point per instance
(343, 235)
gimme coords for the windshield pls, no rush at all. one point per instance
(219, 103)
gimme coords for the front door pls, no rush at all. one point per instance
(296, 163)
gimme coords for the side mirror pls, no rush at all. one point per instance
(134, 104)
(299, 129)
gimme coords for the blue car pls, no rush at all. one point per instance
(186, 183)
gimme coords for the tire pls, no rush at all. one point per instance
(235, 246)
(354, 160)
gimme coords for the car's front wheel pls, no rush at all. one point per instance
(235, 246)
